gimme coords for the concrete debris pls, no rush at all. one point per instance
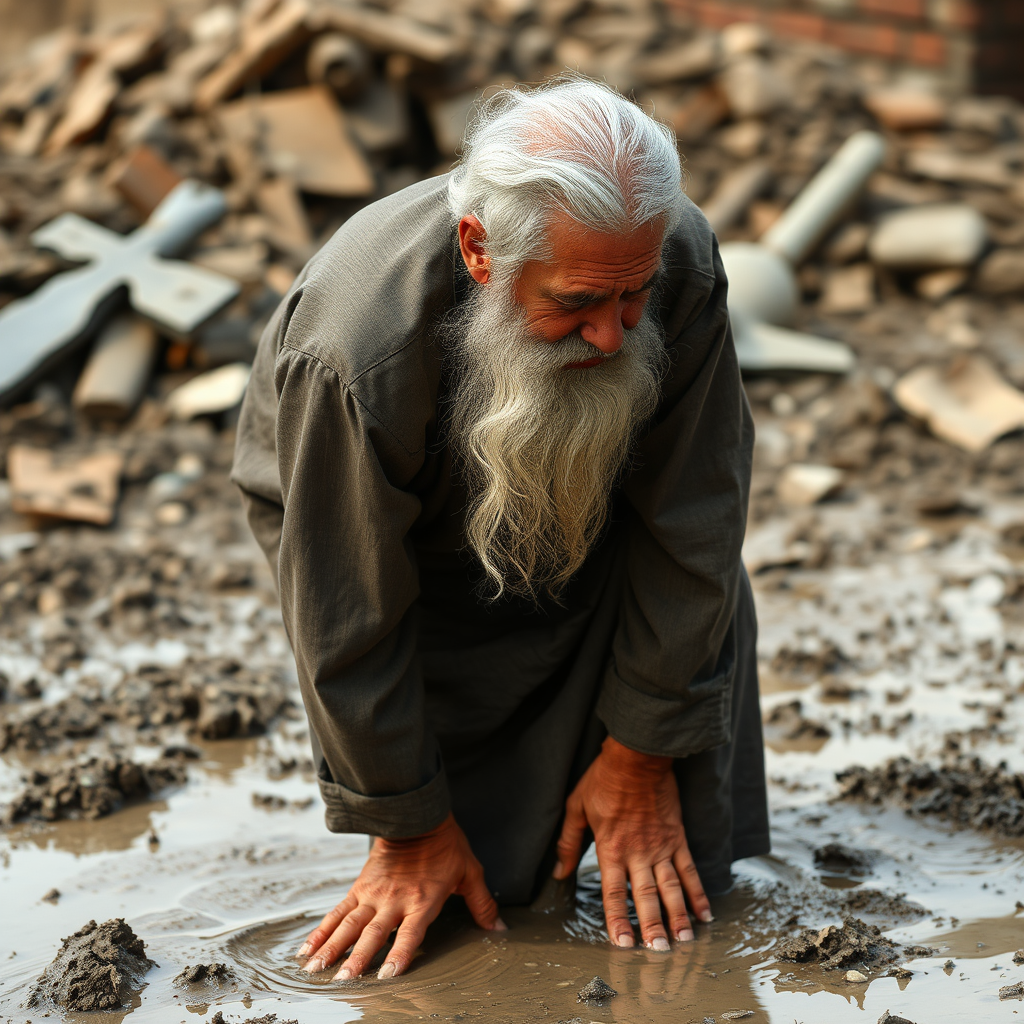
(929, 237)
(209, 393)
(802, 484)
(85, 489)
(968, 403)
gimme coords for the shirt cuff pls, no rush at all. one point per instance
(390, 817)
(669, 726)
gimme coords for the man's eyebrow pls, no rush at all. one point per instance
(585, 298)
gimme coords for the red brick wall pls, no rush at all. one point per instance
(977, 44)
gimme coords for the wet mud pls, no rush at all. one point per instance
(99, 967)
(156, 768)
(964, 791)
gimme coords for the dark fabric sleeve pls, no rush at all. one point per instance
(348, 580)
(668, 685)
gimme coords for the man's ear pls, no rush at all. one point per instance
(471, 244)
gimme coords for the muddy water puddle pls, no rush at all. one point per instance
(907, 651)
(207, 876)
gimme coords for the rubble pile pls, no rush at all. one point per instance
(300, 111)
(964, 791)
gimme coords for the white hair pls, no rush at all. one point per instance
(571, 146)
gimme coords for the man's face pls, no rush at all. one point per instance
(553, 375)
(595, 284)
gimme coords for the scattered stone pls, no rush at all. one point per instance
(929, 237)
(891, 1018)
(100, 967)
(963, 790)
(905, 109)
(949, 967)
(1001, 272)
(855, 977)
(595, 991)
(805, 484)
(1014, 991)
(1018, 957)
(737, 1014)
(52, 896)
(900, 973)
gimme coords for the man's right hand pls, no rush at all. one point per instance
(403, 885)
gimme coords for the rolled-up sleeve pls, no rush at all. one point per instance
(348, 581)
(668, 685)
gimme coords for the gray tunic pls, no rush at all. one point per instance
(423, 699)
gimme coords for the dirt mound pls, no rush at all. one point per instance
(963, 790)
(215, 699)
(855, 943)
(92, 789)
(204, 974)
(97, 968)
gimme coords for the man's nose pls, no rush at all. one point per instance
(603, 330)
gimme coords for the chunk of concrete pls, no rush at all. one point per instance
(807, 484)
(929, 238)
(968, 404)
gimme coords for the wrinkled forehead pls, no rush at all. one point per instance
(610, 260)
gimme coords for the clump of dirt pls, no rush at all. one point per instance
(267, 1018)
(92, 789)
(891, 1018)
(891, 906)
(835, 947)
(787, 722)
(204, 974)
(839, 857)
(1018, 957)
(1014, 991)
(597, 990)
(217, 699)
(963, 790)
(100, 967)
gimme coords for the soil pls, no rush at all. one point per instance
(94, 788)
(853, 945)
(595, 991)
(98, 968)
(963, 790)
(198, 974)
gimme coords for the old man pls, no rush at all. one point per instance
(497, 451)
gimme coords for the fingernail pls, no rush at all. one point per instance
(343, 975)
(314, 965)
(499, 925)
(386, 971)
(660, 944)
(685, 935)
(303, 949)
(625, 939)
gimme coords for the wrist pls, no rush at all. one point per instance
(407, 842)
(633, 761)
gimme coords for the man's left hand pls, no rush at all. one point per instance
(630, 801)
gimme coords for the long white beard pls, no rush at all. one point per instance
(541, 447)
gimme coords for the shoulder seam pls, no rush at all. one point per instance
(347, 386)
